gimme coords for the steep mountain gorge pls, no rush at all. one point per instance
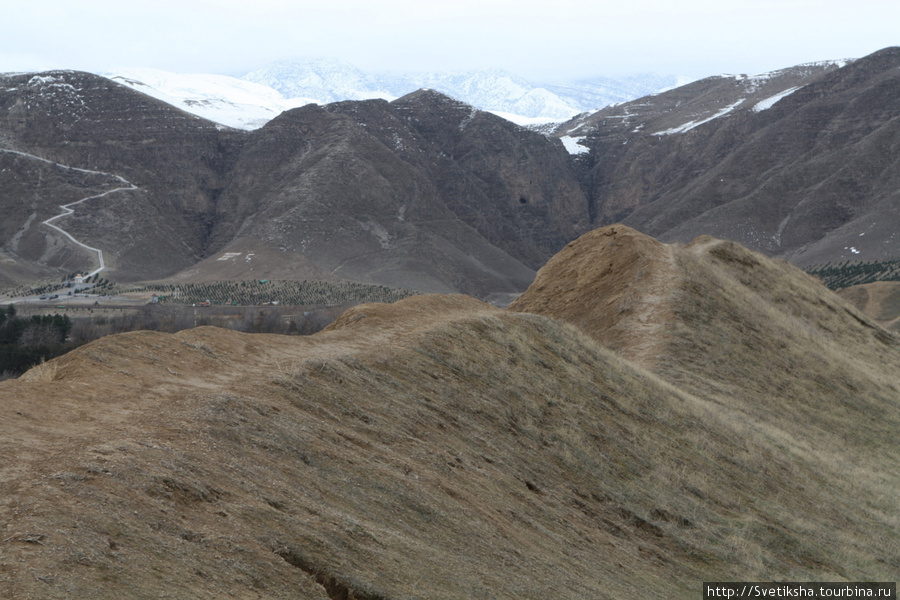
(516, 190)
(424, 192)
(799, 163)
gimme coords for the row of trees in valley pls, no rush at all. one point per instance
(25, 342)
(308, 293)
(279, 307)
(282, 320)
(847, 273)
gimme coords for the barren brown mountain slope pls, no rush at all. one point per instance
(33, 190)
(96, 131)
(800, 163)
(442, 448)
(424, 193)
(315, 187)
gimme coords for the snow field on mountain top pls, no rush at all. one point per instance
(219, 98)
(250, 102)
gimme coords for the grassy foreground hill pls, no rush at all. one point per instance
(439, 447)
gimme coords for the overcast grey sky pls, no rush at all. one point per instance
(538, 40)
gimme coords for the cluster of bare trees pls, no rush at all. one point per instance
(25, 342)
(285, 320)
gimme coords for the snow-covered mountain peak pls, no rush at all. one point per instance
(227, 100)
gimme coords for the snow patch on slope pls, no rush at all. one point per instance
(573, 145)
(772, 100)
(692, 124)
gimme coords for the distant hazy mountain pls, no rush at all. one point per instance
(326, 80)
(493, 90)
(598, 92)
(258, 97)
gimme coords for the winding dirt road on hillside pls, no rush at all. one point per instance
(67, 208)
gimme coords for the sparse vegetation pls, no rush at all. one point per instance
(310, 293)
(779, 361)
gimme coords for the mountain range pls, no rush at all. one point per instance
(237, 102)
(432, 194)
(799, 163)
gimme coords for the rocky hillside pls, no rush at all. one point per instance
(428, 193)
(799, 163)
(443, 448)
(87, 128)
(424, 192)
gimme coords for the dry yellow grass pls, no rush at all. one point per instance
(45, 371)
(442, 448)
(614, 284)
(768, 349)
(880, 301)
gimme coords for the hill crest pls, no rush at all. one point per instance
(442, 447)
(614, 283)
